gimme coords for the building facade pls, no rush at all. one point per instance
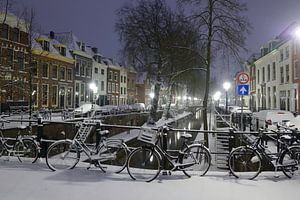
(53, 74)
(14, 60)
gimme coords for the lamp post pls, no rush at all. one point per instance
(226, 86)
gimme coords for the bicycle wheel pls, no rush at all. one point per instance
(1, 148)
(26, 150)
(290, 161)
(196, 160)
(244, 162)
(112, 156)
(143, 164)
(62, 155)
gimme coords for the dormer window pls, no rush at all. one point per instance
(45, 44)
(82, 46)
(63, 51)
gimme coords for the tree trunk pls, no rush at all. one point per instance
(153, 112)
(168, 106)
(208, 60)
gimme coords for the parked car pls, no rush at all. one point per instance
(270, 118)
(85, 109)
(236, 116)
(124, 108)
(138, 107)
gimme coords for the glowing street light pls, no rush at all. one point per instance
(151, 95)
(217, 96)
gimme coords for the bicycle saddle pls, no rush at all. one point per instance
(186, 136)
(102, 133)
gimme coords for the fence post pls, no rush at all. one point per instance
(231, 139)
(40, 135)
(165, 147)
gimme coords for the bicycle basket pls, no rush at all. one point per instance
(148, 135)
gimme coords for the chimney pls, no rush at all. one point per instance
(52, 35)
(95, 50)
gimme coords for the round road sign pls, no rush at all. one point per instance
(243, 78)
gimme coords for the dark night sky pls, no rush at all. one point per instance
(93, 20)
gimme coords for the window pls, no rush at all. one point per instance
(109, 87)
(69, 96)
(258, 76)
(287, 52)
(281, 75)
(82, 68)
(4, 31)
(102, 85)
(274, 71)
(20, 60)
(269, 97)
(117, 88)
(287, 73)
(295, 100)
(15, 35)
(82, 89)
(121, 90)
(77, 94)
(281, 55)
(54, 95)
(96, 70)
(263, 74)
(121, 79)
(110, 75)
(124, 90)
(116, 76)
(45, 70)
(54, 71)
(282, 95)
(102, 71)
(113, 88)
(269, 73)
(45, 95)
(69, 74)
(89, 69)
(10, 56)
(77, 69)
(124, 79)
(296, 70)
(62, 73)
(274, 97)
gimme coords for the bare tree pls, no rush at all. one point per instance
(146, 30)
(221, 28)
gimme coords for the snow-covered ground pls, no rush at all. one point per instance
(36, 182)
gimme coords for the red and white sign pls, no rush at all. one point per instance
(243, 78)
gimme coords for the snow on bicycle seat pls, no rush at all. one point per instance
(102, 133)
(22, 127)
(285, 137)
(186, 136)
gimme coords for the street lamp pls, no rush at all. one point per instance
(226, 86)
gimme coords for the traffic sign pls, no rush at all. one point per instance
(243, 90)
(243, 78)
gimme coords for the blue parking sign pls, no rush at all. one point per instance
(243, 90)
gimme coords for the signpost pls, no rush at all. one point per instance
(242, 90)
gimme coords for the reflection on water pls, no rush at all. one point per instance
(192, 122)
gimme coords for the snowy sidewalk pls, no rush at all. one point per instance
(37, 182)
